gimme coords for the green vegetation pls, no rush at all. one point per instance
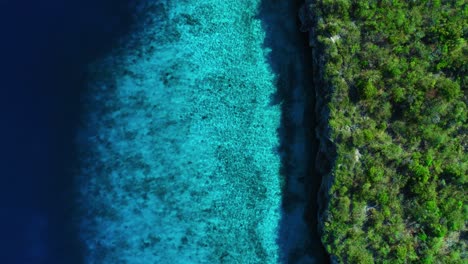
(398, 72)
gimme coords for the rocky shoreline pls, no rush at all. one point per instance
(326, 149)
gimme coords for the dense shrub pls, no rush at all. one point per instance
(398, 75)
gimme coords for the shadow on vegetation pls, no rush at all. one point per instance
(45, 48)
(291, 61)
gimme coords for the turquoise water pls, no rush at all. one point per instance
(180, 144)
(181, 163)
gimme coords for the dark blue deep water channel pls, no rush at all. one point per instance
(44, 48)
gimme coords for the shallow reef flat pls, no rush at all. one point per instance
(178, 145)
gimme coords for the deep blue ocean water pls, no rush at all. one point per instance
(44, 47)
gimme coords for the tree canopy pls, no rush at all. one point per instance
(397, 72)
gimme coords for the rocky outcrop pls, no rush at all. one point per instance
(326, 152)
